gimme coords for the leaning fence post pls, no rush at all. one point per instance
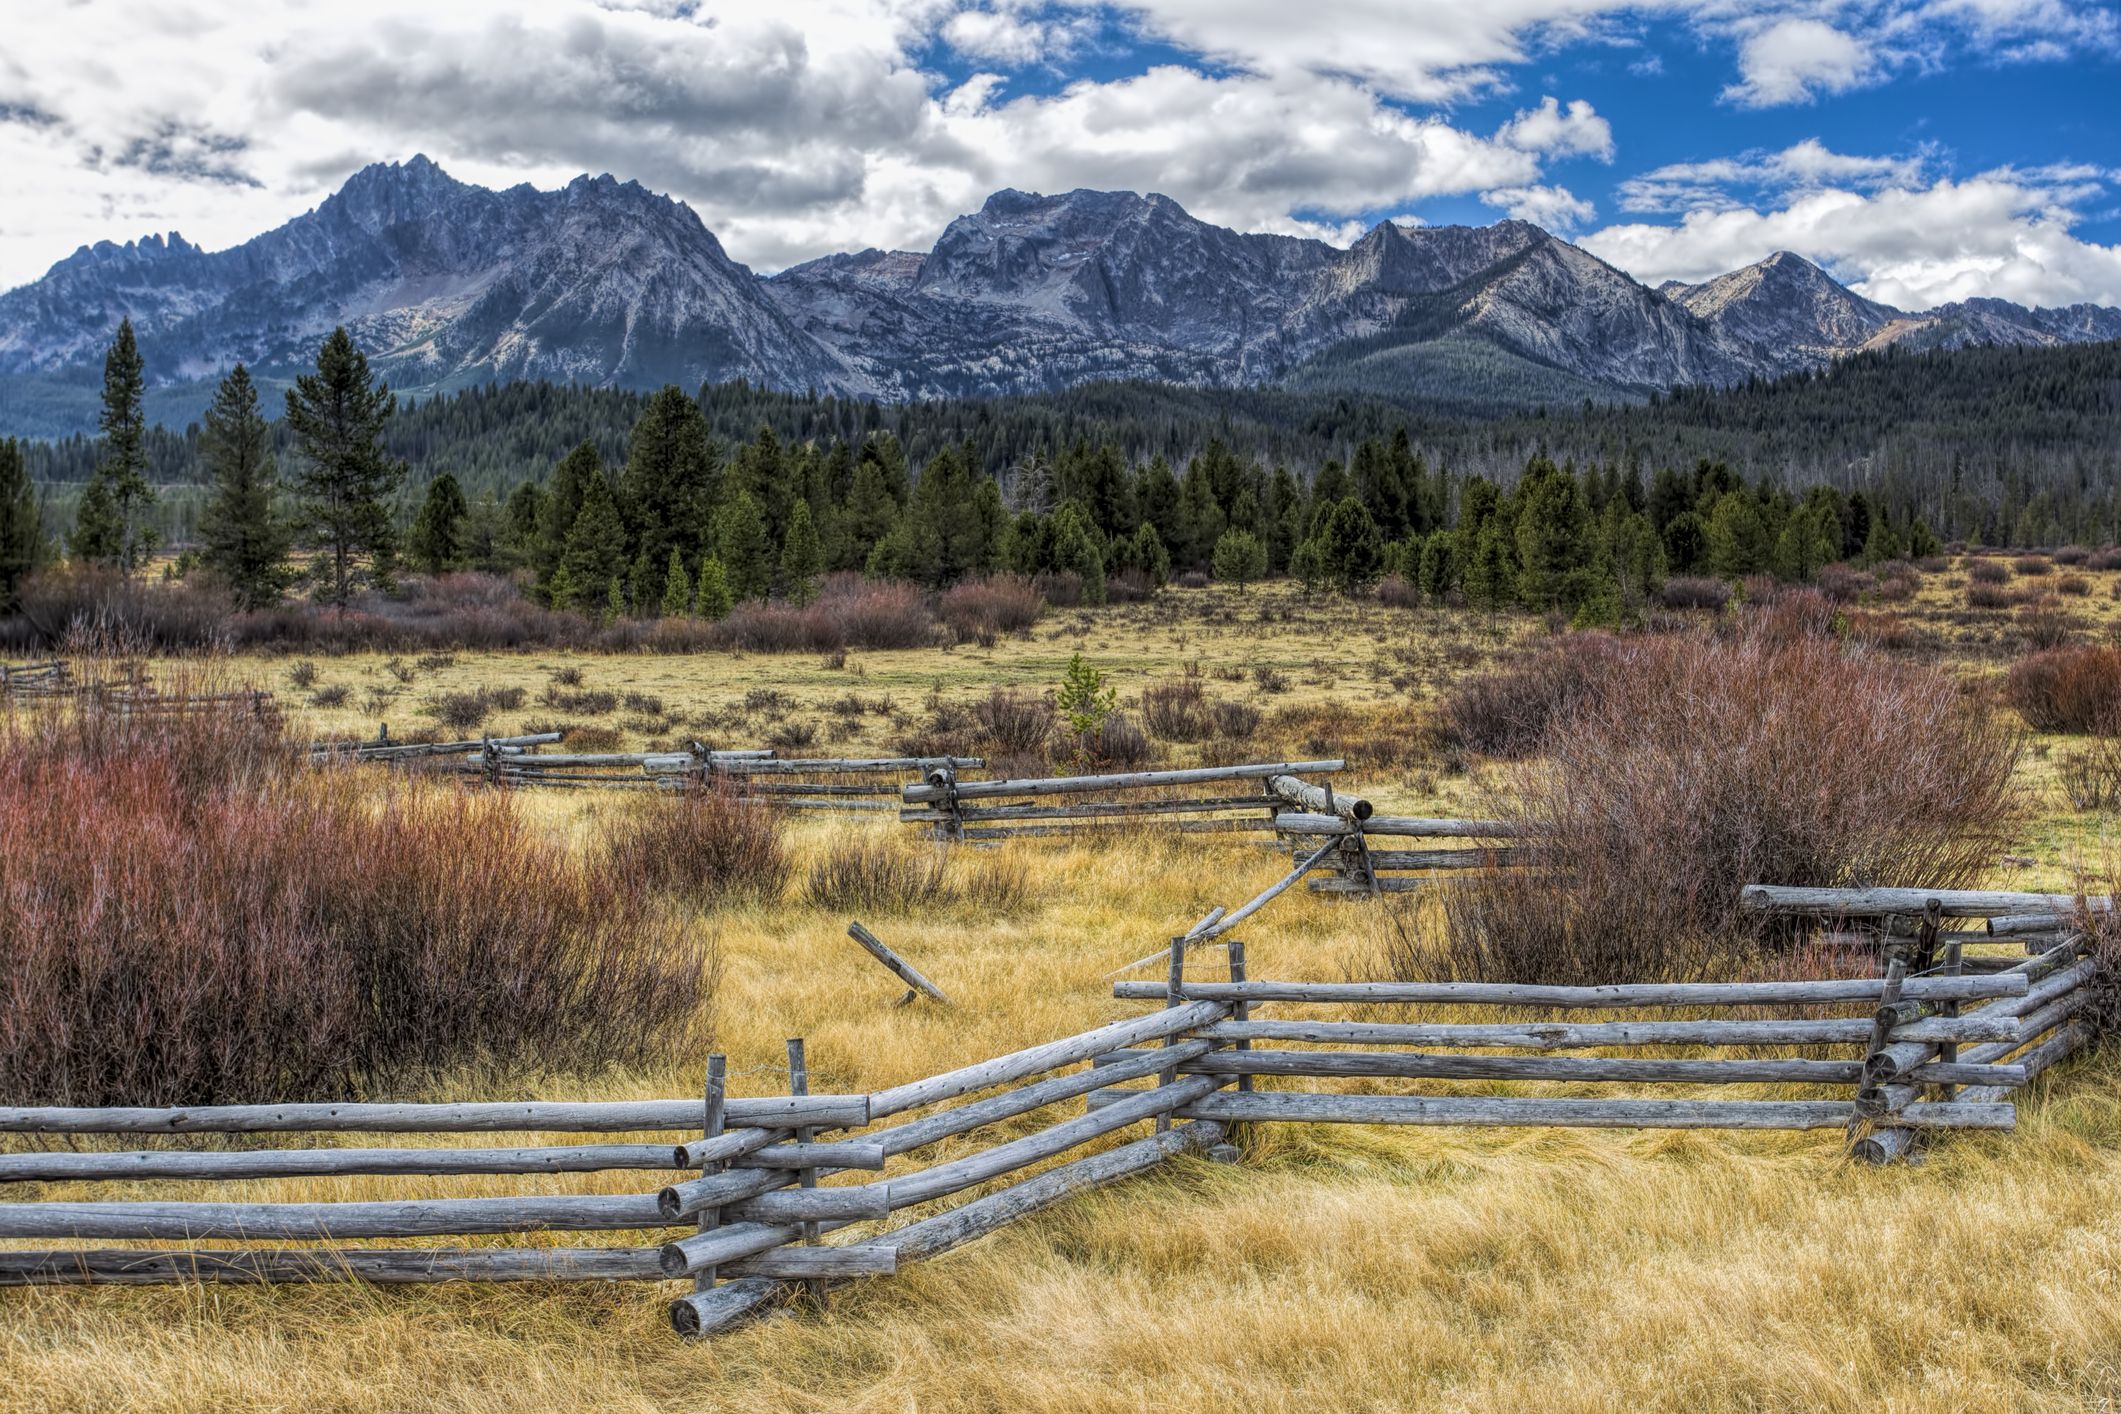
(717, 1105)
(799, 1084)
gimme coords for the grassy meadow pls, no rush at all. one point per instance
(1337, 1267)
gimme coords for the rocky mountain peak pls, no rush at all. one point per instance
(606, 282)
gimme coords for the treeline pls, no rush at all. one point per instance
(1993, 446)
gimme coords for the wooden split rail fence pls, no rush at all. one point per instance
(1898, 1036)
(792, 783)
(1196, 800)
(2056, 1018)
(133, 696)
(741, 1209)
(820, 783)
(764, 1197)
(50, 679)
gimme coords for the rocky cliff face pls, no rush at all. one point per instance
(605, 283)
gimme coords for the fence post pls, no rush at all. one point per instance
(716, 1106)
(1241, 1010)
(1174, 996)
(945, 778)
(799, 1084)
(1881, 1027)
(1954, 965)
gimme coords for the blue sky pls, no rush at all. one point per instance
(1923, 150)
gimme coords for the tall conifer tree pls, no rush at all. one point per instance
(337, 416)
(245, 540)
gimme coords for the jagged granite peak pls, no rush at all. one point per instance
(441, 282)
(605, 282)
(1788, 310)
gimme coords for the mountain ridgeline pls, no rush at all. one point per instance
(601, 283)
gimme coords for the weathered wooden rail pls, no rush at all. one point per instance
(1194, 800)
(743, 1210)
(807, 783)
(764, 1197)
(53, 678)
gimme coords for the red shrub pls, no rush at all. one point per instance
(1699, 764)
(187, 917)
(1002, 603)
(697, 845)
(2068, 689)
(1507, 713)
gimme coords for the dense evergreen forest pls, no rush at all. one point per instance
(1996, 446)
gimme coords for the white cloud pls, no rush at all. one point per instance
(1575, 131)
(1007, 37)
(1555, 208)
(800, 126)
(1796, 60)
(1803, 166)
(1997, 234)
(794, 127)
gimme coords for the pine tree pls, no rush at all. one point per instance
(244, 539)
(561, 503)
(746, 554)
(337, 416)
(1738, 542)
(1686, 542)
(108, 529)
(713, 600)
(869, 515)
(801, 555)
(1491, 573)
(671, 480)
(1077, 550)
(21, 525)
(1350, 551)
(1151, 557)
(437, 541)
(595, 562)
(1554, 550)
(486, 541)
(1439, 565)
(677, 589)
(1239, 558)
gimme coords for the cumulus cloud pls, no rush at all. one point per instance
(1999, 234)
(1715, 184)
(1796, 60)
(800, 126)
(794, 128)
(1575, 131)
(1555, 208)
(1011, 38)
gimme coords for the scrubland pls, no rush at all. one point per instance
(1336, 1267)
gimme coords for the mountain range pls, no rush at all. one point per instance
(602, 282)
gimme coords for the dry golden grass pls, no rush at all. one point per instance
(1337, 1268)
